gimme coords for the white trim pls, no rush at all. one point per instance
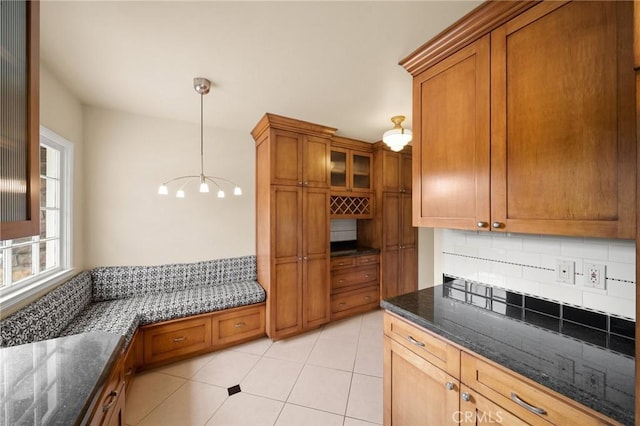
(14, 295)
(16, 298)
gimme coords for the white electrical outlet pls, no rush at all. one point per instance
(594, 276)
(565, 271)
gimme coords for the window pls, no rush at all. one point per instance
(29, 265)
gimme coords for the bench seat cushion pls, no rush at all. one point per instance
(123, 316)
(46, 317)
(114, 316)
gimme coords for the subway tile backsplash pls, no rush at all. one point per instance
(527, 264)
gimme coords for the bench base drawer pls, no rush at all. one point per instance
(238, 325)
(176, 339)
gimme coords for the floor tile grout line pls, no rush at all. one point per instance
(162, 401)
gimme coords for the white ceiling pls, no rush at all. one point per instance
(333, 63)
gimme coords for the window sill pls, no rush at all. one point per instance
(11, 300)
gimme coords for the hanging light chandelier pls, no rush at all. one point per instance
(202, 86)
(398, 136)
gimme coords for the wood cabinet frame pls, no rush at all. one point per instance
(31, 225)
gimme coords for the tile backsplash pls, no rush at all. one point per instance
(527, 264)
(344, 229)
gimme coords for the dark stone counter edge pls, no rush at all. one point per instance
(607, 409)
(354, 252)
(92, 399)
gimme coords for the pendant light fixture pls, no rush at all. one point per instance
(398, 136)
(202, 86)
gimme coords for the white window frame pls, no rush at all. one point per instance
(16, 294)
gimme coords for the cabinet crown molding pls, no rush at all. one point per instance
(480, 21)
(274, 121)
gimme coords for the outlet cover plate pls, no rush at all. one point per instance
(594, 275)
(565, 271)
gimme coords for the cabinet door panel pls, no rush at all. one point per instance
(361, 176)
(390, 171)
(451, 146)
(405, 173)
(480, 411)
(287, 221)
(286, 168)
(408, 272)
(339, 169)
(389, 275)
(285, 300)
(415, 391)
(408, 233)
(316, 222)
(316, 302)
(316, 166)
(563, 121)
(391, 219)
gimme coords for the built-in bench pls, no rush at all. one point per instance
(121, 299)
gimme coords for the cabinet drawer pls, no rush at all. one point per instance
(423, 343)
(176, 339)
(110, 397)
(243, 324)
(347, 303)
(354, 276)
(343, 262)
(515, 392)
(368, 259)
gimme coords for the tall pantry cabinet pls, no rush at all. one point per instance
(391, 230)
(293, 223)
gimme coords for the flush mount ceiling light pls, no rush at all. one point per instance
(398, 136)
(202, 86)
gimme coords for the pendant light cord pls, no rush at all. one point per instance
(201, 136)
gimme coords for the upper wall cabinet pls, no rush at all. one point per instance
(19, 119)
(532, 127)
(351, 165)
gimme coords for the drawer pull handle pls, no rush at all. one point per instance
(240, 324)
(114, 397)
(536, 410)
(449, 386)
(366, 260)
(367, 298)
(466, 397)
(367, 276)
(180, 339)
(342, 304)
(129, 372)
(341, 263)
(415, 342)
(340, 281)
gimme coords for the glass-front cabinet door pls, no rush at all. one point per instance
(339, 161)
(360, 171)
(350, 170)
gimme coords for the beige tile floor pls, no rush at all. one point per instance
(330, 376)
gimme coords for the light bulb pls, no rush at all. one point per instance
(204, 187)
(180, 193)
(220, 193)
(237, 190)
(163, 190)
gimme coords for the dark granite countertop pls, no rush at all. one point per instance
(57, 381)
(350, 248)
(598, 377)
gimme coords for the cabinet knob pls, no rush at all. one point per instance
(300, 183)
(305, 258)
(482, 224)
(496, 225)
(299, 258)
(466, 396)
(305, 183)
(449, 386)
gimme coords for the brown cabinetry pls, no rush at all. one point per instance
(175, 339)
(109, 409)
(428, 380)
(391, 230)
(292, 220)
(351, 179)
(237, 325)
(20, 116)
(355, 284)
(528, 129)
(133, 358)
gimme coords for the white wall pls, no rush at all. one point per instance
(127, 223)
(426, 258)
(61, 112)
(527, 263)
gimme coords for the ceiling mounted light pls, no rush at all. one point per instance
(202, 86)
(398, 136)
